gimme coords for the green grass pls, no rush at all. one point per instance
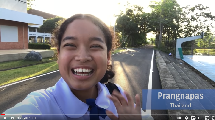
(118, 50)
(14, 75)
(20, 63)
(206, 51)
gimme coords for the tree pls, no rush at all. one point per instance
(126, 26)
(133, 25)
(49, 25)
(168, 20)
(29, 4)
(164, 20)
(59, 22)
(196, 19)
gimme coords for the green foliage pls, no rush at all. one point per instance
(196, 19)
(126, 25)
(206, 51)
(165, 20)
(168, 21)
(29, 4)
(59, 22)
(133, 26)
(207, 42)
(38, 46)
(49, 25)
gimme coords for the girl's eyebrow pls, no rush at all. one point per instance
(91, 38)
(96, 39)
(69, 38)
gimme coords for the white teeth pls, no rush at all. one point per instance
(82, 70)
(83, 74)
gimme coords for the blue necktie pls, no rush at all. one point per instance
(95, 111)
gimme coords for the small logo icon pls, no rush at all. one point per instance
(193, 118)
(12, 118)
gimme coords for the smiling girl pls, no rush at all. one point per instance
(84, 51)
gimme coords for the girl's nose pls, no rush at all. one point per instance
(83, 56)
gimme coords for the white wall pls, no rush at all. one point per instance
(16, 5)
(181, 40)
(9, 33)
(20, 17)
(35, 26)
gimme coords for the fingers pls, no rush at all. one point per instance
(130, 100)
(115, 101)
(123, 107)
(138, 104)
(111, 115)
(120, 97)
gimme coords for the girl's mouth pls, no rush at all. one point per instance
(82, 71)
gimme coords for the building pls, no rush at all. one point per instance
(14, 22)
(33, 35)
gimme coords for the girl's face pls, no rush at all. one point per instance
(83, 57)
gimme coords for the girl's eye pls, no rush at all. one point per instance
(96, 46)
(69, 44)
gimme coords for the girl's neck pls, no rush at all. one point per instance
(82, 95)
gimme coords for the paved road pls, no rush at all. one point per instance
(132, 70)
(14, 94)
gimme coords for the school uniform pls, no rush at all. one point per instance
(59, 103)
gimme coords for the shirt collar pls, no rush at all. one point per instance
(71, 106)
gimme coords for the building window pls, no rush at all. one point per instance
(9, 33)
(32, 29)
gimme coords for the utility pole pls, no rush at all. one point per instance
(161, 26)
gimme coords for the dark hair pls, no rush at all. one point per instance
(59, 32)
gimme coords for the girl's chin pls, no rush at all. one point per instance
(82, 86)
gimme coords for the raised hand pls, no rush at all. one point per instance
(125, 109)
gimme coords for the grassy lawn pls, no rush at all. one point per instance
(20, 63)
(14, 75)
(118, 50)
(37, 68)
(206, 51)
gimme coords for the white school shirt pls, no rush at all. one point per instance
(59, 103)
